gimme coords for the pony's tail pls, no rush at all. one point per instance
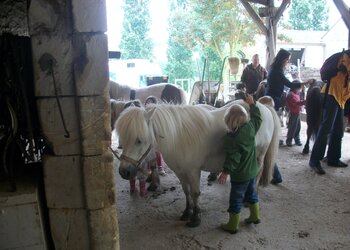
(270, 156)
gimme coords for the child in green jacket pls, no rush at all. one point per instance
(241, 163)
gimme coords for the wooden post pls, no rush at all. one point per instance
(344, 11)
(269, 29)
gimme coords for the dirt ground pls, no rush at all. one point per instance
(306, 211)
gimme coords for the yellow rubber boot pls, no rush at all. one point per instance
(254, 214)
(232, 225)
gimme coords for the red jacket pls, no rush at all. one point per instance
(293, 103)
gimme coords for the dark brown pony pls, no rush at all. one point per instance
(313, 107)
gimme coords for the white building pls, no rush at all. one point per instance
(315, 46)
(132, 72)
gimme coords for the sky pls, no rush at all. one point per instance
(159, 12)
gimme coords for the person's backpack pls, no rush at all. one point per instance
(330, 68)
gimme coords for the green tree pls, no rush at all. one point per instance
(309, 15)
(135, 41)
(179, 54)
(222, 25)
(214, 62)
(214, 28)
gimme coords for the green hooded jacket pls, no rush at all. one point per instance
(240, 149)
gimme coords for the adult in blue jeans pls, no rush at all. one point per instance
(331, 130)
(276, 80)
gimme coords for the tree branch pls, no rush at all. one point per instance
(263, 2)
(280, 10)
(254, 16)
(344, 11)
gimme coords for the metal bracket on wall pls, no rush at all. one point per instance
(47, 62)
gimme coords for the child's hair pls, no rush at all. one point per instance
(296, 85)
(240, 85)
(235, 117)
(151, 99)
(267, 100)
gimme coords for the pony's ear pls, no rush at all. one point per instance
(149, 113)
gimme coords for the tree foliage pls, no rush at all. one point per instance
(135, 41)
(309, 15)
(180, 64)
(222, 25)
(214, 28)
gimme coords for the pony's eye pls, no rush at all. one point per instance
(138, 141)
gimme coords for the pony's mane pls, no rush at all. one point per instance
(179, 126)
(182, 126)
(116, 109)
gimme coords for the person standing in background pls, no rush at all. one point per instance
(253, 74)
(276, 80)
(331, 130)
(294, 105)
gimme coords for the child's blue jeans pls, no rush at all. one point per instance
(242, 192)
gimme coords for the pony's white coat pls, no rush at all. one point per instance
(190, 140)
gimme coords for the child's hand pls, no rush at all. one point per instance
(249, 99)
(222, 178)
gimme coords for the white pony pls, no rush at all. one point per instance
(190, 140)
(165, 92)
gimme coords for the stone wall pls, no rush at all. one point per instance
(13, 17)
(70, 58)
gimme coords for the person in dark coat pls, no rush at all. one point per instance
(276, 80)
(253, 74)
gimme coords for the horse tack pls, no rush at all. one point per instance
(137, 163)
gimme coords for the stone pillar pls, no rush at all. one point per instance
(70, 58)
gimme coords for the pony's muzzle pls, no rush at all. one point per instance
(128, 172)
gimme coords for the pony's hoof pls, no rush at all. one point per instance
(212, 177)
(305, 151)
(133, 191)
(186, 215)
(195, 223)
(152, 187)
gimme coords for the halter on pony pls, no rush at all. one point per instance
(138, 162)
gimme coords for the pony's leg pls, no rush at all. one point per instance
(132, 186)
(142, 183)
(186, 189)
(155, 181)
(195, 219)
(260, 161)
(306, 147)
(280, 116)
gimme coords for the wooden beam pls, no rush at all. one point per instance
(280, 10)
(263, 2)
(344, 11)
(254, 16)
